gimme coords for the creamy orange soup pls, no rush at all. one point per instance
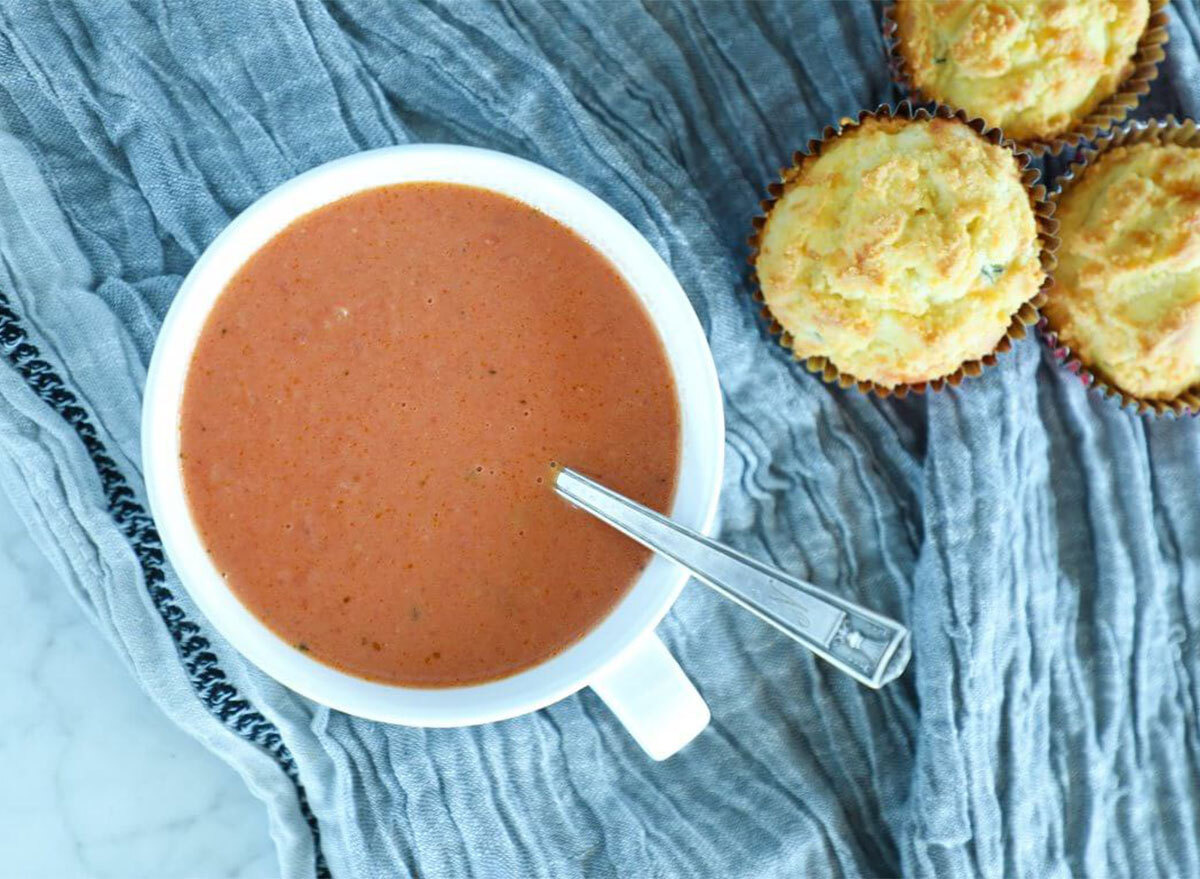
(372, 421)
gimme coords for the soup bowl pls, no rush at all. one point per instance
(620, 658)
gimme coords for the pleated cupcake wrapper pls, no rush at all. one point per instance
(1161, 131)
(1025, 316)
(1113, 110)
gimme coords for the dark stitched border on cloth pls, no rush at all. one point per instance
(208, 679)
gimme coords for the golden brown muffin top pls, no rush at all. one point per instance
(902, 251)
(1126, 294)
(1030, 67)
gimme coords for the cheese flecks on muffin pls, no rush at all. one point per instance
(1126, 295)
(1030, 67)
(902, 251)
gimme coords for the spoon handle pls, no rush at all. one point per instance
(867, 646)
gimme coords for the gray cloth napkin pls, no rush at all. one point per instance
(1043, 545)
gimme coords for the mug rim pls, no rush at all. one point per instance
(698, 394)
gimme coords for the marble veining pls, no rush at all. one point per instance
(96, 782)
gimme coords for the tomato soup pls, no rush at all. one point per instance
(372, 421)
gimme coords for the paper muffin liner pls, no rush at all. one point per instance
(1161, 131)
(1025, 316)
(1111, 111)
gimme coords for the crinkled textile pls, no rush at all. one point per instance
(1043, 545)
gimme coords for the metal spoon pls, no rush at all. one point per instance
(867, 646)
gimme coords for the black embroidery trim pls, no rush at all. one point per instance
(207, 677)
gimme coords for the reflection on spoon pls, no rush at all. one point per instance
(867, 646)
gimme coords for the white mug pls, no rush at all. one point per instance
(621, 659)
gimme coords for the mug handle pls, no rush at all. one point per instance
(652, 697)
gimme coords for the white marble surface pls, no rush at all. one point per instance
(94, 781)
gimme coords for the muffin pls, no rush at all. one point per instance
(901, 250)
(1126, 295)
(1033, 69)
